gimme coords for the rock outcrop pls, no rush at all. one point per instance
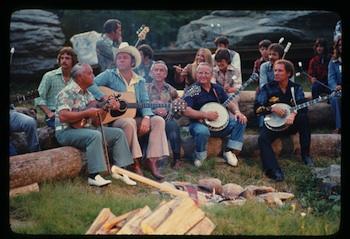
(36, 36)
(249, 27)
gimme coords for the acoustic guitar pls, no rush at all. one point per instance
(128, 105)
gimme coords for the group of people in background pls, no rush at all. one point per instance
(75, 105)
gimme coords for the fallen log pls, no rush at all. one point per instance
(321, 145)
(53, 164)
(24, 190)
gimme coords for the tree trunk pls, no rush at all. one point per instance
(328, 145)
(54, 164)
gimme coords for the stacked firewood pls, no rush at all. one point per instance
(180, 216)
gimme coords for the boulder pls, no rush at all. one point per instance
(249, 27)
(36, 36)
(211, 183)
(231, 190)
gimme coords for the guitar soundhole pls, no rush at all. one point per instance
(123, 106)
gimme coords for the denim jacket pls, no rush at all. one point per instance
(112, 79)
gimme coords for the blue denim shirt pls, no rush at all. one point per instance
(113, 80)
(266, 74)
(334, 73)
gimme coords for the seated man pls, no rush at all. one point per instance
(21, 122)
(279, 91)
(211, 92)
(122, 78)
(161, 92)
(76, 125)
(53, 82)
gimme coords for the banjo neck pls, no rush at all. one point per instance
(252, 78)
(311, 102)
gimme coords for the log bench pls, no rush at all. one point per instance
(67, 162)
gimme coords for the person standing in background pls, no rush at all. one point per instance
(109, 43)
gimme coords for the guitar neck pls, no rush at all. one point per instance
(137, 42)
(148, 105)
(311, 102)
(245, 84)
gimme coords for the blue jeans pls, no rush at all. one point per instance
(20, 122)
(317, 89)
(201, 134)
(173, 134)
(90, 139)
(336, 110)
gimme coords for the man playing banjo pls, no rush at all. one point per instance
(281, 90)
(200, 131)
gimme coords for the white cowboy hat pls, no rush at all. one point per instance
(124, 47)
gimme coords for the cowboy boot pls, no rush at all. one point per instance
(136, 167)
(152, 166)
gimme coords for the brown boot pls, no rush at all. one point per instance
(136, 167)
(152, 166)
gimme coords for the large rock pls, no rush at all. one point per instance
(249, 27)
(36, 36)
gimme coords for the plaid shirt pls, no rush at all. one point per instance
(72, 98)
(51, 84)
(224, 79)
(271, 93)
(165, 95)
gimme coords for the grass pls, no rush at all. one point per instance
(70, 206)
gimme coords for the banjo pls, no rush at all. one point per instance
(276, 123)
(222, 121)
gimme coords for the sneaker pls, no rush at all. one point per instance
(231, 158)
(124, 178)
(98, 181)
(198, 163)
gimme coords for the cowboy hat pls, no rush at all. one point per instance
(124, 47)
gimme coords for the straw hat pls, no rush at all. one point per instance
(124, 47)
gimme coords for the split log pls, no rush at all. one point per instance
(25, 189)
(160, 214)
(132, 226)
(182, 219)
(115, 221)
(53, 164)
(99, 221)
(161, 186)
(204, 227)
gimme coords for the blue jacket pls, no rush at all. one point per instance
(334, 73)
(112, 79)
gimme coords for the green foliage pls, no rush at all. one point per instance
(165, 23)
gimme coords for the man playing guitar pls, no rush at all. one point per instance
(211, 92)
(124, 79)
(280, 91)
(72, 102)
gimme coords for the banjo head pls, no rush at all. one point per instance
(222, 121)
(273, 121)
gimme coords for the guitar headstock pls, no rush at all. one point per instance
(253, 77)
(19, 99)
(178, 105)
(336, 93)
(192, 91)
(142, 32)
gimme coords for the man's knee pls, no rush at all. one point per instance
(157, 121)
